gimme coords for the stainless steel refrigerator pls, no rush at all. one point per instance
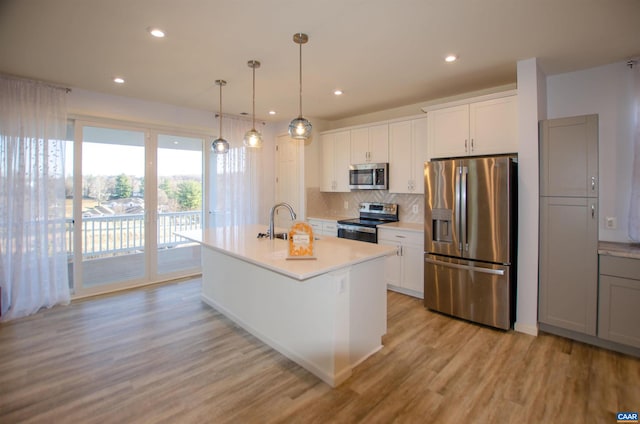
(470, 238)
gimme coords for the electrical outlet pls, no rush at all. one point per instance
(415, 209)
(346, 204)
(611, 222)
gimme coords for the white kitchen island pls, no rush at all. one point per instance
(327, 314)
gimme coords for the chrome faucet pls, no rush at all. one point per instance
(273, 211)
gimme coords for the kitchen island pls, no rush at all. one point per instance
(328, 314)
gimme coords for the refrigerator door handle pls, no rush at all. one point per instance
(463, 208)
(457, 207)
(466, 267)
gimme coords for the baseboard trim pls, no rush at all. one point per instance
(529, 329)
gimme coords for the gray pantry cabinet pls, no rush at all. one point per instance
(568, 268)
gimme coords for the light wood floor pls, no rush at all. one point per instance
(159, 355)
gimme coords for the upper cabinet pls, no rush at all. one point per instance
(407, 154)
(569, 163)
(477, 128)
(335, 161)
(370, 144)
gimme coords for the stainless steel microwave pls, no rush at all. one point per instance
(369, 176)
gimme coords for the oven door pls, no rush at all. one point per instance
(358, 232)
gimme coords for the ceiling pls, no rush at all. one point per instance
(382, 53)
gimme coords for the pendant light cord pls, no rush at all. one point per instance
(253, 120)
(220, 108)
(300, 44)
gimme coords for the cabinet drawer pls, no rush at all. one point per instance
(404, 237)
(620, 267)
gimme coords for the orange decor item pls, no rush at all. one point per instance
(301, 241)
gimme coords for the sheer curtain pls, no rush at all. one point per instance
(634, 209)
(236, 177)
(33, 257)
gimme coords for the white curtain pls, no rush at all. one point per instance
(236, 177)
(33, 257)
(634, 209)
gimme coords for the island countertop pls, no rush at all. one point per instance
(331, 253)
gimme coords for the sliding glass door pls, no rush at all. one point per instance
(179, 199)
(112, 221)
(135, 189)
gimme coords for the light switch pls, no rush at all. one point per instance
(611, 222)
(415, 209)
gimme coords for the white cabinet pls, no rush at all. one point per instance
(370, 144)
(478, 128)
(324, 227)
(404, 272)
(335, 161)
(407, 154)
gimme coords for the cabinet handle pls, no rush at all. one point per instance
(593, 183)
(593, 211)
(399, 236)
(465, 144)
(472, 145)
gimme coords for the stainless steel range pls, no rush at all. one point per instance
(365, 227)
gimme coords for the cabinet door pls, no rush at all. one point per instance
(341, 161)
(420, 155)
(449, 131)
(379, 143)
(392, 265)
(493, 126)
(370, 144)
(618, 312)
(569, 263)
(327, 181)
(335, 161)
(359, 145)
(400, 157)
(413, 268)
(408, 151)
(569, 157)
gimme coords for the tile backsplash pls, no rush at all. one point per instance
(333, 204)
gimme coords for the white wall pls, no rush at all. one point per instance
(531, 101)
(607, 91)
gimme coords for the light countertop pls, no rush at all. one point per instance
(331, 253)
(624, 250)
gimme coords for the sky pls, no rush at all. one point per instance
(111, 159)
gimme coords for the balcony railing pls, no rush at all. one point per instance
(118, 234)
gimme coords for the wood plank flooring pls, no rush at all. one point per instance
(160, 355)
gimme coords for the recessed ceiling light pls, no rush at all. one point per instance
(451, 58)
(118, 80)
(338, 92)
(272, 112)
(156, 32)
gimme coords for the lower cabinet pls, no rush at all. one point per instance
(324, 227)
(619, 298)
(404, 272)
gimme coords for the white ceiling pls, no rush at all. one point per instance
(382, 53)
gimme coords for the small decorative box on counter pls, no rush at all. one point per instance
(301, 241)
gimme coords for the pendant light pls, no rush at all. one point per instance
(253, 138)
(300, 128)
(220, 145)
